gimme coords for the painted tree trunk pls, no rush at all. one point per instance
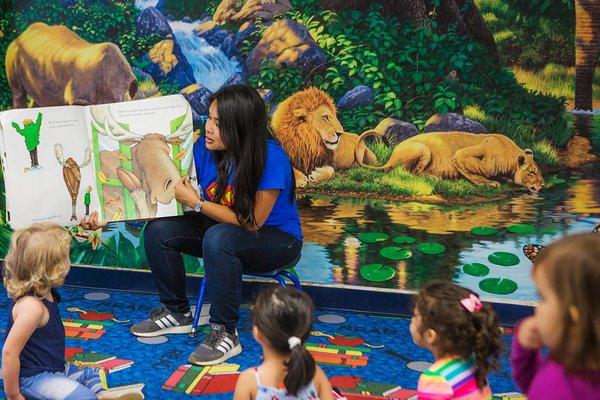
(587, 43)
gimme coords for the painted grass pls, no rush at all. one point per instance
(398, 182)
(554, 79)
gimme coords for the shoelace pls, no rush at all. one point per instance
(158, 313)
(214, 337)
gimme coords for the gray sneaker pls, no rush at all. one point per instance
(217, 347)
(163, 321)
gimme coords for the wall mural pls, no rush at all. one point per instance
(431, 139)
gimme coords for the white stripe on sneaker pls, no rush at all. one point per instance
(229, 342)
(160, 324)
(222, 349)
(172, 320)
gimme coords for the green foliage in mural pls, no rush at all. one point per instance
(95, 21)
(531, 33)
(414, 72)
(283, 81)
(194, 9)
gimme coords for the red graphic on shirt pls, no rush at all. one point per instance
(227, 198)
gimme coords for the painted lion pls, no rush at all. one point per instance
(307, 127)
(476, 157)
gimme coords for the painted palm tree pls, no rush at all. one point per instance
(587, 44)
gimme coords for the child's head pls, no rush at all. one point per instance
(450, 320)
(27, 121)
(283, 321)
(37, 261)
(567, 277)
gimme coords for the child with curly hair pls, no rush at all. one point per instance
(464, 336)
(33, 356)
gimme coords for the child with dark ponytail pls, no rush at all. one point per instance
(282, 322)
(464, 336)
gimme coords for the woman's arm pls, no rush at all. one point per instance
(28, 314)
(265, 200)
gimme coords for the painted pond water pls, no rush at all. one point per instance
(344, 235)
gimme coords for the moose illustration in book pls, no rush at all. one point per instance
(72, 174)
(153, 173)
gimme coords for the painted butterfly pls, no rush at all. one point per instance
(532, 250)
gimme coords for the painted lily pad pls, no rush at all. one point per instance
(377, 273)
(396, 253)
(404, 240)
(503, 258)
(372, 237)
(549, 230)
(498, 285)
(476, 269)
(351, 229)
(521, 229)
(431, 248)
(484, 231)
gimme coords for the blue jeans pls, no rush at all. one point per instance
(227, 250)
(72, 384)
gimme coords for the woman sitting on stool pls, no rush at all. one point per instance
(246, 221)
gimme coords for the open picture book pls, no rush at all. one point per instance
(122, 160)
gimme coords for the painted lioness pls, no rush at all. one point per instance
(451, 155)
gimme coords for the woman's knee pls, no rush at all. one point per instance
(157, 231)
(218, 239)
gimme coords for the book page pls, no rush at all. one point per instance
(4, 216)
(47, 165)
(141, 149)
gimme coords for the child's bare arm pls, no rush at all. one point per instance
(323, 385)
(28, 314)
(245, 386)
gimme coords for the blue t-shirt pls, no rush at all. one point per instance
(277, 175)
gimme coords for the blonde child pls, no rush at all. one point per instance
(464, 336)
(566, 321)
(33, 356)
(282, 322)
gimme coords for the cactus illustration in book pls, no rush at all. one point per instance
(72, 174)
(31, 133)
(87, 200)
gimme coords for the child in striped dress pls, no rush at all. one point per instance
(464, 336)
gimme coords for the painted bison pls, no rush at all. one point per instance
(54, 66)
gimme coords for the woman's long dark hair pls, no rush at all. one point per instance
(281, 313)
(244, 131)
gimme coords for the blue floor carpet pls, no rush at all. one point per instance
(341, 340)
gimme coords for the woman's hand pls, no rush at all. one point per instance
(92, 222)
(185, 192)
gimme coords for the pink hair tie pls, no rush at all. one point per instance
(472, 303)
